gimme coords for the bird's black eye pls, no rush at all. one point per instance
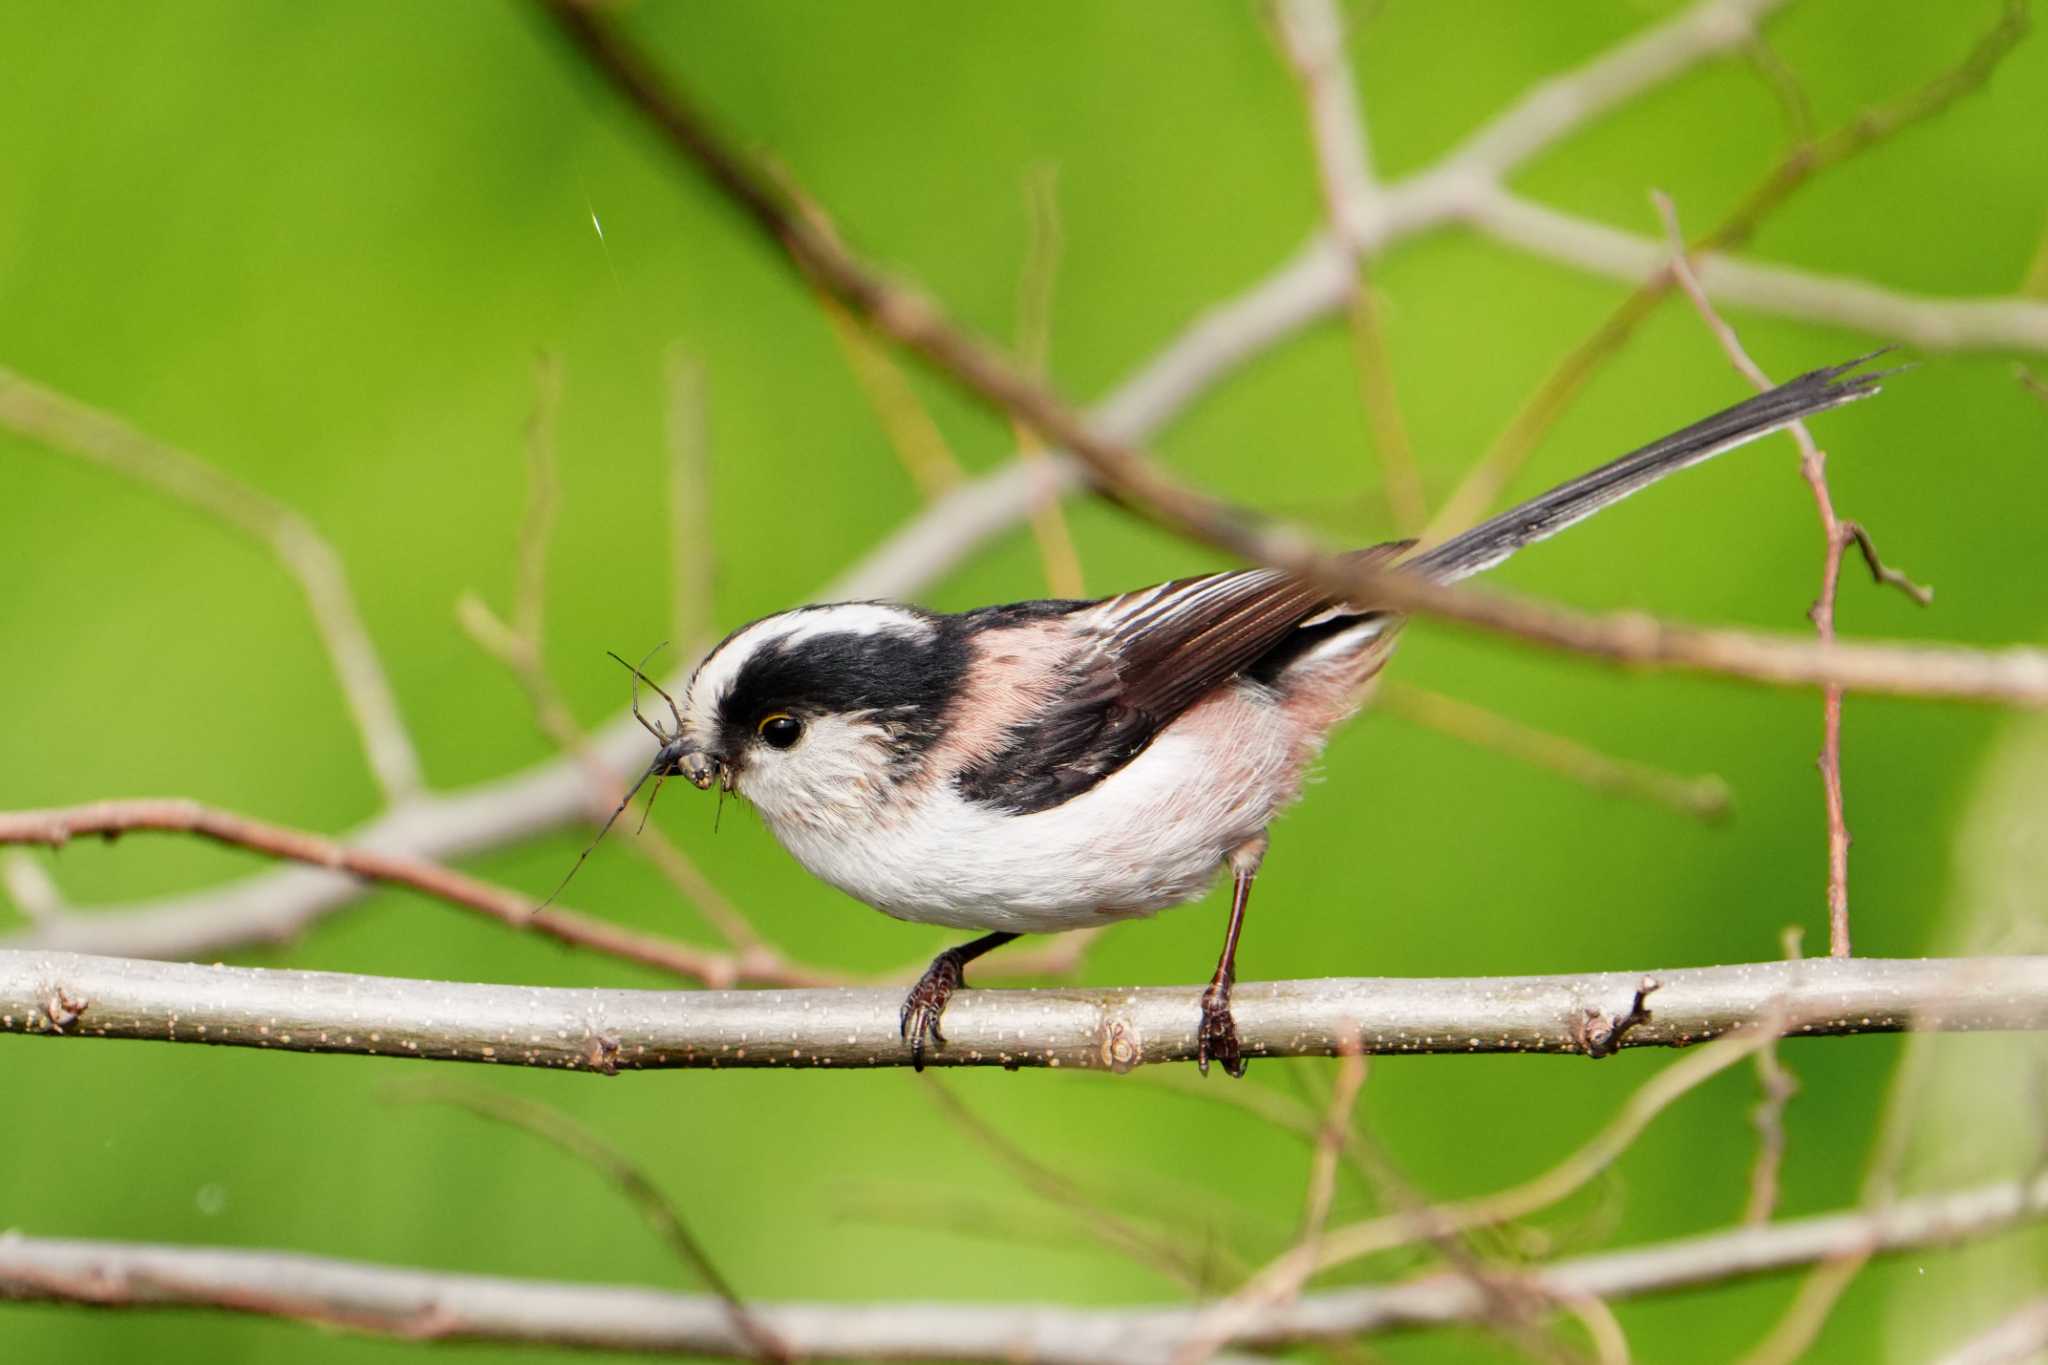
(780, 730)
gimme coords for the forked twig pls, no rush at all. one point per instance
(1839, 535)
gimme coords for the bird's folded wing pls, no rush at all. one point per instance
(1175, 642)
(1141, 660)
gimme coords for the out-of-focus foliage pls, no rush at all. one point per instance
(320, 245)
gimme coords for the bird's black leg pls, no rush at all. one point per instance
(1217, 1041)
(927, 999)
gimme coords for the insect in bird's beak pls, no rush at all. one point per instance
(694, 764)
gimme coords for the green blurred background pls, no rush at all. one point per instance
(321, 245)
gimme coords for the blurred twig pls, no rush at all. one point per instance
(693, 557)
(1283, 1276)
(30, 886)
(1505, 458)
(521, 649)
(2018, 1338)
(913, 435)
(2032, 382)
(416, 1304)
(1312, 37)
(1785, 87)
(1330, 1142)
(1704, 798)
(1768, 1115)
(543, 498)
(1285, 1112)
(564, 1133)
(1186, 1265)
(1793, 1335)
(1056, 549)
(62, 423)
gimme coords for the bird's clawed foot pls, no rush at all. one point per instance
(927, 1001)
(1217, 1041)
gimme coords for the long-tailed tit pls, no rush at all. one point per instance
(1042, 766)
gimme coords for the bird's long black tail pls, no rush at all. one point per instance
(1488, 543)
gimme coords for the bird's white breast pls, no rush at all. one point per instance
(1150, 835)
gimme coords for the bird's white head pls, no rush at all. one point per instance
(820, 716)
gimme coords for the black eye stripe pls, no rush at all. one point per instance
(900, 680)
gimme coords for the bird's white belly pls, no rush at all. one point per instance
(1151, 835)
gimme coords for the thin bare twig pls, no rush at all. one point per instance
(693, 553)
(913, 434)
(1793, 1335)
(1785, 87)
(564, 1133)
(63, 423)
(32, 889)
(1171, 1257)
(1330, 1143)
(2032, 382)
(1514, 1309)
(1312, 37)
(1056, 549)
(1881, 573)
(1838, 535)
(543, 498)
(1444, 1220)
(1768, 1116)
(1704, 798)
(920, 447)
(111, 819)
(1610, 1342)
(2018, 1337)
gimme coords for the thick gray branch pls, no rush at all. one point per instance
(52, 994)
(432, 1305)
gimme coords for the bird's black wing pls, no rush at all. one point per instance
(1140, 660)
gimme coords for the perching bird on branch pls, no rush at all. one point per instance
(1042, 766)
